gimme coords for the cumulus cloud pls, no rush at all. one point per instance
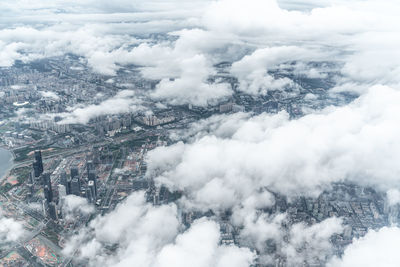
(10, 229)
(230, 162)
(272, 235)
(252, 70)
(150, 236)
(376, 248)
(103, 40)
(50, 94)
(199, 247)
(74, 205)
(363, 40)
(223, 126)
(138, 229)
(27, 43)
(311, 243)
(92, 6)
(191, 87)
(293, 157)
(124, 102)
(393, 197)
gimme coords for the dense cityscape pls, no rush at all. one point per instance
(58, 166)
(202, 133)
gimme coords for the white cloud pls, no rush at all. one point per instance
(191, 87)
(362, 34)
(10, 229)
(252, 70)
(376, 248)
(223, 126)
(124, 102)
(27, 43)
(297, 243)
(199, 247)
(74, 205)
(138, 228)
(233, 161)
(257, 229)
(312, 243)
(356, 143)
(49, 94)
(393, 197)
(364, 39)
(150, 236)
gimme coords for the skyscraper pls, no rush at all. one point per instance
(68, 186)
(32, 177)
(38, 163)
(52, 210)
(92, 189)
(36, 169)
(75, 187)
(48, 192)
(63, 178)
(89, 195)
(89, 166)
(74, 172)
(90, 192)
(92, 175)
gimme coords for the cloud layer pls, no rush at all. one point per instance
(294, 157)
(376, 248)
(363, 40)
(230, 162)
(124, 102)
(151, 236)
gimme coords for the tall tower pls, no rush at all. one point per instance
(63, 178)
(92, 175)
(38, 163)
(74, 172)
(48, 192)
(90, 192)
(52, 210)
(75, 187)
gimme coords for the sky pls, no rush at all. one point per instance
(358, 142)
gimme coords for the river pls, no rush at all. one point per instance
(6, 162)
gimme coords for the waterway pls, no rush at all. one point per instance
(6, 162)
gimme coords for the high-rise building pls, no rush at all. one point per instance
(31, 182)
(90, 192)
(74, 172)
(44, 207)
(92, 188)
(89, 166)
(68, 186)
(52, 210)
(38, 163)
(63, 178)
(89, 195)
(46, 180)
(75, 187)
(36, 169)
(92, 175)
(48, 192)
(31, 190)
(32, 177)
(48, 195)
